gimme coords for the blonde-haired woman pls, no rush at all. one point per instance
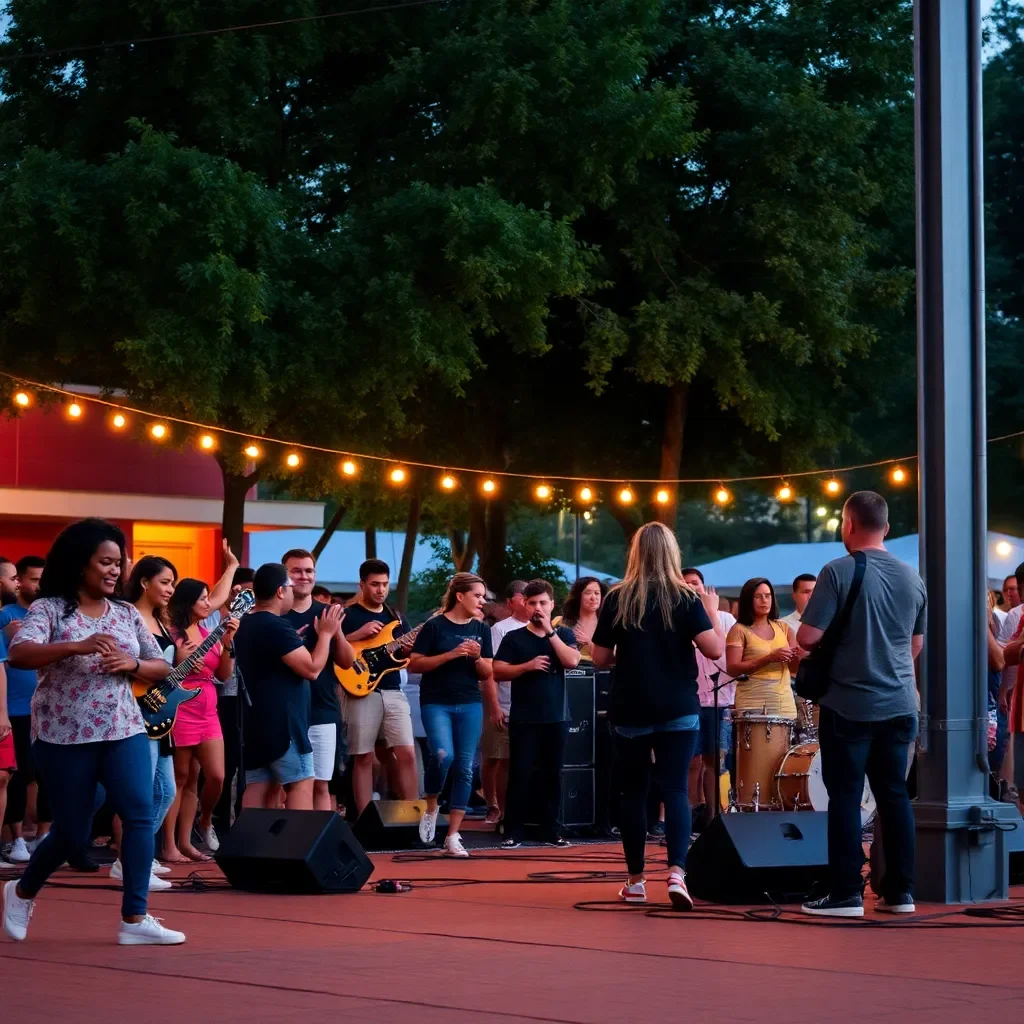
(648, 627)
(453, 654)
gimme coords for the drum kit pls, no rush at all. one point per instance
(778, 764)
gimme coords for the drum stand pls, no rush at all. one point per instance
(713, 811)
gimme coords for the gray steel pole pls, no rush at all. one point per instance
(576, 544)
(961, 853)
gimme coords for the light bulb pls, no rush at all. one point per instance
(158, 431)
(898, 475)
(252, 451)
(117, 421)
(543, 492)
(821, 511)
(75, 411)
(1004, 549)
(207, 442)
(586, 494)
(784, 493)
(448, 482)
(833, 486)
(722, 496)
(398, 475)
(292, 460)
(626, 496)
(489, 486)
(832, 525)
(348, 468)
(663, 497)
(22, 399)
(587, 516)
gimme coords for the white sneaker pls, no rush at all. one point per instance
(148, 932)
(428, 827)
(156, 884)
(16, 913)
(34, 845)
(159, 869)
(635, 893)
(19, 852)
(678, 894)
(211, 840)
(453, 846)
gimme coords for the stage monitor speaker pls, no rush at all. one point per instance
(771, 856)
(293, 852)
(394, 825)
(577, 799)
(579, 743)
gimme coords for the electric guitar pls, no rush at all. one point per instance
(159, 702)
(376, 657)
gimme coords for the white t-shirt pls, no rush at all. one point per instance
(498, 631)
(792, 620)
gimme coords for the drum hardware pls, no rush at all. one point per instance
(742, 678)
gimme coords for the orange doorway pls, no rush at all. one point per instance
(190, 548)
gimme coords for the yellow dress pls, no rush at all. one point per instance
(769, 690)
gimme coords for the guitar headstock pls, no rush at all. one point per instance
(242, 603)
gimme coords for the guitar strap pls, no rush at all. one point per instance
(394, 615)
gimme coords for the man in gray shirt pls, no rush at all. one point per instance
(869, 711)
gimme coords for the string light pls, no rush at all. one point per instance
(722, 496)
(833, 486)
(626, 496)
(158, 431)
(489, 486)
(348, 468)
(832, 525)
(74, 411)
(397, 475)
(252, 451)
(293, 460)
(448, 482)
(587, 515)
(207, 442)
(784, 493)
(663, 497)
(1004, 549)
(821, 511)
(586, 494)
(542, 492)
(22, 399)
(898, 475)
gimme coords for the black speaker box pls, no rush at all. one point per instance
(769, 857)
(394, 825)
(577, 799)
(293, 852)
(579, 741)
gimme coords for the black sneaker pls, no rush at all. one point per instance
(656, 831)
(828, 907)
(561, 843)
(901, 904)
(511, 844)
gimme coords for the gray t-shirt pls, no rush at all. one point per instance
(872, 675)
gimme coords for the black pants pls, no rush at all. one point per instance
(17, 788)
(849, 750)
(535, 756)
(229, 712)
(670, 768)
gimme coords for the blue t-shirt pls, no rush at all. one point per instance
(456, 681)
(21, 682)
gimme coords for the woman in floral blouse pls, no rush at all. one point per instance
(87, 644)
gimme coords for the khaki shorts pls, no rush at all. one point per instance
(494, 741)
(383, 713)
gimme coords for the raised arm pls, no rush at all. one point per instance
(221, 592)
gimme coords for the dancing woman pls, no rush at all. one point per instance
(197, 730)
(647, 631)
(86, 644)
(453, 653)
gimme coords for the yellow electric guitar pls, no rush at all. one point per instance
(376, 657)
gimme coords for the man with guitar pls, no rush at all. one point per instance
(384, 711)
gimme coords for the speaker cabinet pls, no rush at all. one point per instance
(577, 799)
(770, 857)
(579, 741)
(293, 852)
(394, 825)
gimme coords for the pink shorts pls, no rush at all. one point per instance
(197, 719)
(8, 762)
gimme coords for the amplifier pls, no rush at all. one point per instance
(577, 798)
(579, 743)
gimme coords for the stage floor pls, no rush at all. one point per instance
(507, 948)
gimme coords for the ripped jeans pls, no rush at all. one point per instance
(453, 733)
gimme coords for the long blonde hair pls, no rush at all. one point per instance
(654, 573)
(460, 583)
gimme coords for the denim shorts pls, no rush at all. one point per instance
(288, 768)
(684, 723)
(706, 745)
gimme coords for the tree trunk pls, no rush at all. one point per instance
(672, 450)
(463, 549)
(325, 537)
(492, 550)
(412, 529)
(624, 517)
(371, 541)
(236, 486)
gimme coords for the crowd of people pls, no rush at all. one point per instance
(270, 726)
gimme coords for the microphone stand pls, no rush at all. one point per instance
(714, 677)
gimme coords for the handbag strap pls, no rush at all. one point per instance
(838, 624)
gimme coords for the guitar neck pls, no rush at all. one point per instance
(399, 640)
(185, 669)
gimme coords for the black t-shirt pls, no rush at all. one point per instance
(655, 668)
(165, 643)
(456, 681)
(323, 691)
(356, 616)
(537, 697)
(278, 714)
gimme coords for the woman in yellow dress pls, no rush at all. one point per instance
(763, 648)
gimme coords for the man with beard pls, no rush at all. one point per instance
(8, 582)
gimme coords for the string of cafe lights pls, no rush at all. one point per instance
(209, 439)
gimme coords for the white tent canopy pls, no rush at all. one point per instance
(782, 563)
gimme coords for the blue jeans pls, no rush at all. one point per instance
(163, 784)
(453, 732)
(72, 773)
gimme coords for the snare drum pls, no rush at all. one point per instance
(761, 744)
(792, 789)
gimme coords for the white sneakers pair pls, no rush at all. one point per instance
(453, 841)
(148, 932)
(156, 883)
(678, 894)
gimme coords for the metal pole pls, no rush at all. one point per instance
(576, 545)
(961, 854)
